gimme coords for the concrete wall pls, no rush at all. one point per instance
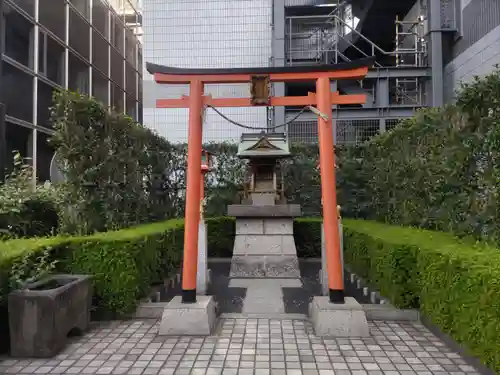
(478, 50)
(205, 34)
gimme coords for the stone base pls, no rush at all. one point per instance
(265, 266)
(336, 320)
(190, 319)
(264, 247)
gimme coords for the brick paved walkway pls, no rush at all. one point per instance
(249, 347)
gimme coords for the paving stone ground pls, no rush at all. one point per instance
(248, 347)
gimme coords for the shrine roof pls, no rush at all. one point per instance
(263, 145)
(162, 69)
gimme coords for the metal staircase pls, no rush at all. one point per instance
(394, 87)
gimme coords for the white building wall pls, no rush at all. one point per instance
(478, 49)
(205, 34)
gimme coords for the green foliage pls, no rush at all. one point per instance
(118, 172)
(30, 268)
(123, 264)
(25, 210)
(438, 170)
(221, 233)
(455, 282)
(307, 235)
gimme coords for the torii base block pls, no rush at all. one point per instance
(189, 319)
(338, 320)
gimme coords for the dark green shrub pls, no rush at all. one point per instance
(455, 282)
(123, 263)
(221, 232)
(307, 235)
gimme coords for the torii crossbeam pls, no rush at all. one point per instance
(259, 78)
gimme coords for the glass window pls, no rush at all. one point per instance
(100, 87)
(79, 34)
(116, 98)
(139, 117)
(17, 90)
(139, 57)
(44, 154)
(100, 12)
(117, 32)
(18, 36)
(131, 107)
(27, 5)
(78, 75)
(83, 6)
(44, 103)
(117, 67)
(139, 93)
(131, 81)
(100, 53)
(52, 16)
(130, 45)
(19, 139)
(55, 61)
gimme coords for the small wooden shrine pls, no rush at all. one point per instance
(264, 181)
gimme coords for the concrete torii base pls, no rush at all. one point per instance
(336, 320)
(189, 319)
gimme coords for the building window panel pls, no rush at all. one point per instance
(100, 87)
(78, 75)
(131, 81)
(100, 20)
(116, 98)
(19, 139)
(131, 108)
(44, 154)
(51, 58)
(130, 46)
(18, 36)
(83, 6)
(18, 102)
(100, 53)
(27, 5)
(79, 38)
(52, 16)
(117, 32)
(44, 103)
(139, 57)
(117, 68)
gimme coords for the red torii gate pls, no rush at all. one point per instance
(259, 78)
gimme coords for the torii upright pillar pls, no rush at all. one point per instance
(259, 79)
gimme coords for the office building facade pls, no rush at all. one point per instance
(90, 46)
(423, 49)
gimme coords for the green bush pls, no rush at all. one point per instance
(123, 263)
(455, 282)
(25, 210)
(437, 170)
(221, 232)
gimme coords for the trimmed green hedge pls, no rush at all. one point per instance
(123, 263)
(454, 282)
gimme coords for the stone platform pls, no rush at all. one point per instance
(264, 245)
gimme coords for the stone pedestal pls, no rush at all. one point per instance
(264, 245)
(190, 319)
(323, 274)
(202, 274)
(338, 320)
